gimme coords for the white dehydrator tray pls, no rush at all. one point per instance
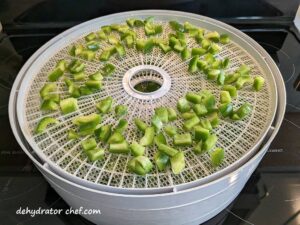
(192, 204)
(240, 139)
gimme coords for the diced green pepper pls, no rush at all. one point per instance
(244, 69)
(119, 148)
(94, 84)
(224, 39)
(96, 76)
(92, 46)
(68, 105)
(104, 106)
(55, 74)
(95, 154)
(89, 144)
(108, 69)
(164, 47)
(156, 123)
(87, 124)
(198, 51)
(76, 50)
(162, 114)
(72, 135)
(160, 139)
(210, 142)
(115, 137)
(217, 156)
(141, 125)
(193, 65)
(225, 63)
(200, 109)
(242, 112)
(213, 36)
(212, 74)
(177, 163)
(103, 133)
(148, 137)
(140, 165)
(170, 130)
(107, 53)
(121, 110)
(49, 105)
(214, 48)
(88, 55)
(183, 105)
(183, 139)
(137, 149)
(258, 83)
(190, 123)
(47, 92)
(112, 39)
(197, 149)
(79, 76)
(85, 90)
(231, 89)
(225, 97)
(221, 78)
(176, 26)
(185, 54)
(120, 49)
(231, 78)
(188, 115)
(205, 123)
(172, 115)
(243, 80)
(44, 123)
(76, 66)
(226, 109)
(121, 126)
(161, 160)
(167, 149)
(91, 36)
(193, 97)
(214, 119)
(201, 134)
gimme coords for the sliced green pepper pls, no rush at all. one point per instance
(243, 80)
(160, 139)
(112, 39)
(170, 130)
(104, 106)
(226, 109)
(72, 135)
(95, 154)
(177, 163)
(55, 74)
(47, 92)
(94, 84)
(197, 149)
(121, 126)
(205, 123)
(87, 124)
(161, 160)
(231, 89)
(188, 115)
(213, 36)
(76, 66)
(217, 157)
(85, 90)
(172, 115)
(121, 110)
(79, 76)
(183, 139)
(221, 78)
(76, 50)
(190, 123)
(162, 114)
(242, 112)
(115, 137)
(44, 123)
(107, 53)
(201, 134)
(49, 105)
(185, 54)
(68, 105)
(167, 149)
(92, 46)
(183, 105)
(89, 144)
(193, 97)
(120, 49)
(244, 69)
(214, 48)
(164, 47)
(137, 149)
(225, 97)
(258, 83)
(148, 137)
(213, 74)
(224, 39)
(210, 142)
(91, 36)
(108, 69)
(176, 26)
(193, 67)
(198, 51)
(103, 133)
(200, 109)
(231, 78)
(140, 165)
(156, 123)
(88, 55)
(119, 148)
(214, 119)
(141, 125)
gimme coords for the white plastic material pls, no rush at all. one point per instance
(192, 204)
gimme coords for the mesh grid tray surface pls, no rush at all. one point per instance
(239, 139)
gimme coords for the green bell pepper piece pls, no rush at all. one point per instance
(95, 154)
(140, 165)
(137, 149)
(242, 112)
(161, 160)
(47, 92)
(201, 134)
(76, 66)
(243, 69)
(121, 110)
(209, 143)
(170, 130)
(225, 97)
(190, 123)
(91, 36)
(94, 84)
(198, 51)
(103, 133)
(177, 163)
(148, 137)
(115, 137)
(217, 157)
(164, 47)
(242, 81)
(183, 139)
(214, 119)
(76, 50)
(87, 124)
(104, 106)
(221, 78)
(185, 54)
(213, 36)
(205, 123)
(183, 105)
(107, 53)
(214, 48)
(68, 105)
(119, 148)
(156, 123)
(176, 26)
(141, 125)
(112, 39)
(85, 90)
(193, 97)
(88, 55)
(258, 83)
(89, 144)
(188, 115)
(121, 126)
(120, 49)
(231, 89)
(212, 74)
(224, 39)
(108, 69)
(167, 149)
(55, 74)
(231, 78)
(226, 109)
(162, 114)
(49, 105)
(200, 109)
(44, 123)
(79, 76)
(193, 67)
(72, 135)
(160, 139)
(92, 46)
(197, 149)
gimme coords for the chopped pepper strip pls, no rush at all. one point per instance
(121, 126)
(49, 105)
(190, 123)
(76, 66)
(44, 123)
(107, 53)
(137, 149)
(193, 97)
(226, 109)
(104, 106)
(95, 154)
(119, 148)
(201, 134)
(213, 36)
(224, 39)
(198, 51)
(231, 89)
(193, 67)
(167, 149)
(162, 114)
(79, 76)
(141, 125)
(91, 36)
(177, 163)
(47, 92)
(72, 135)
(55, 74)
(89, 144)
(140, 165)
(121, 110)
(205, 123)
(200, 109)
(183, 105)
(217, 157)
(68, 105)
(243, 80)
(156, 123)
(209, 143)
(185, 54)
(183, 139)
(87, 124)
(197, 149)
(258, 83)
(108, 69)
(115, 137)
(188, 115)
(170, 130)
(148, 137)
(172, 115)
(161, 160)
(225, 97)
(160, 139)
(242, 112)
(103, 133)
(94, 84)
(214, 119)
